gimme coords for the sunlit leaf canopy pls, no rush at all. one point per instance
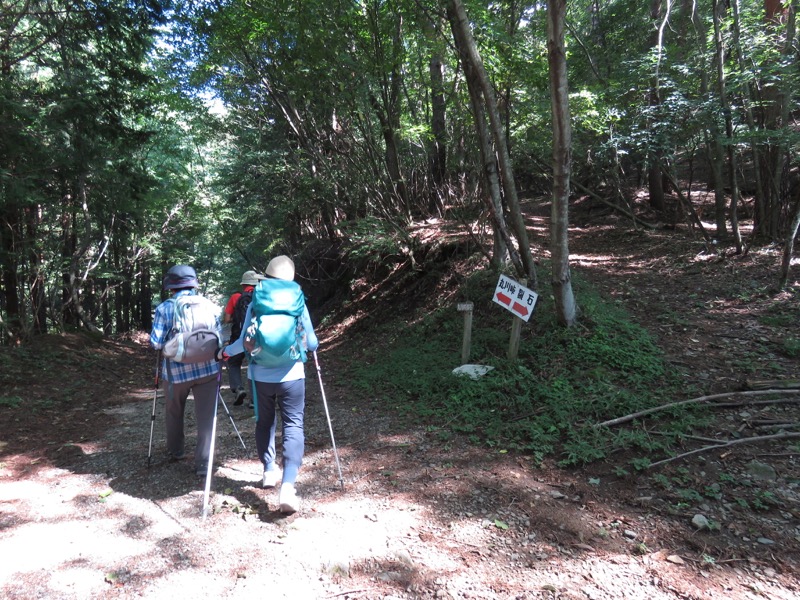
(330, 114)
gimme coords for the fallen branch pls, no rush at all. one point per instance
(789, 384)
(616, 207)
(710, 398)
(347, 593)
(759, 402)
(750, 440)
(685, 436)
(777, 426)
(777, 454)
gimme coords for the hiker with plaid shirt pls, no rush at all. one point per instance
(178, 379)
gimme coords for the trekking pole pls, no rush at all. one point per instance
(225, 406)
(153, 415)
(328, 416)
(210, 466)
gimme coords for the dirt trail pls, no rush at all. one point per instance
(82, 515)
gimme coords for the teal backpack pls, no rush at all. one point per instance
(274, 337)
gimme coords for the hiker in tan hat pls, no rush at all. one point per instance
(234, 313)
(276, 338)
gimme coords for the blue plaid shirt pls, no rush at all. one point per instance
(162, 328)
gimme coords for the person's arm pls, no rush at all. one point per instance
(162, 324)
(312, 343)
(237, 347)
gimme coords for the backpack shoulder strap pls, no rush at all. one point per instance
(172, 300)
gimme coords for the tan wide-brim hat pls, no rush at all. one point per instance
(251, 278)
(281, 267)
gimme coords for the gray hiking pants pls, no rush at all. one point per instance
(204, 391)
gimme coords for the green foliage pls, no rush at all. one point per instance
(546, 402)
(791, 346)
(763, 500)
(370, 239)
(10, 401)
(690, 495)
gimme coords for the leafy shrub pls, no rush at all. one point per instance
(371, 239)
(546, 402)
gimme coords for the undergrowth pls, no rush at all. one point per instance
(547, 402)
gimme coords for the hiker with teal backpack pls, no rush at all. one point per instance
(277, 335)
(186, 329)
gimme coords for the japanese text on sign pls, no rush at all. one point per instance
(515, 297)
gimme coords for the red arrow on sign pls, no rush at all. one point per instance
(520, 308)
(504, 299)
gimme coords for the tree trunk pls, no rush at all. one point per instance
(438, 149)
(788, 247)
(68, 249)
(8, 257)
(105, 312)
(117, 295)
(36, 281)
(146, 296)
(655, 182)
(469, 53)
(749, 94)
(717, 8)
(387, 110)
(776, 102)
(502, 244)
(126, 300)
(713, 147)
(566, 307)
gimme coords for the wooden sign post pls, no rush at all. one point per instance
(466, 308)
(513, 343)
(518, 300)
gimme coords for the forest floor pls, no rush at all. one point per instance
(85, 514)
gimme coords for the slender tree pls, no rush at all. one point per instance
(733, 181)
(469, 52)
(566, 307)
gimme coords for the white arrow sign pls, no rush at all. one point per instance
(515, 297)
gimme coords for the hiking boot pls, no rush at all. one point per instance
(271, 478)
(289, 502)
(240, 396)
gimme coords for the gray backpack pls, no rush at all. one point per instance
(194, 336)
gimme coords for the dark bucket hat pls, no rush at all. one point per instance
(180, 276)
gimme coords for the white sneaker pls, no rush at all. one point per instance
(271, 478)
(289, 502)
